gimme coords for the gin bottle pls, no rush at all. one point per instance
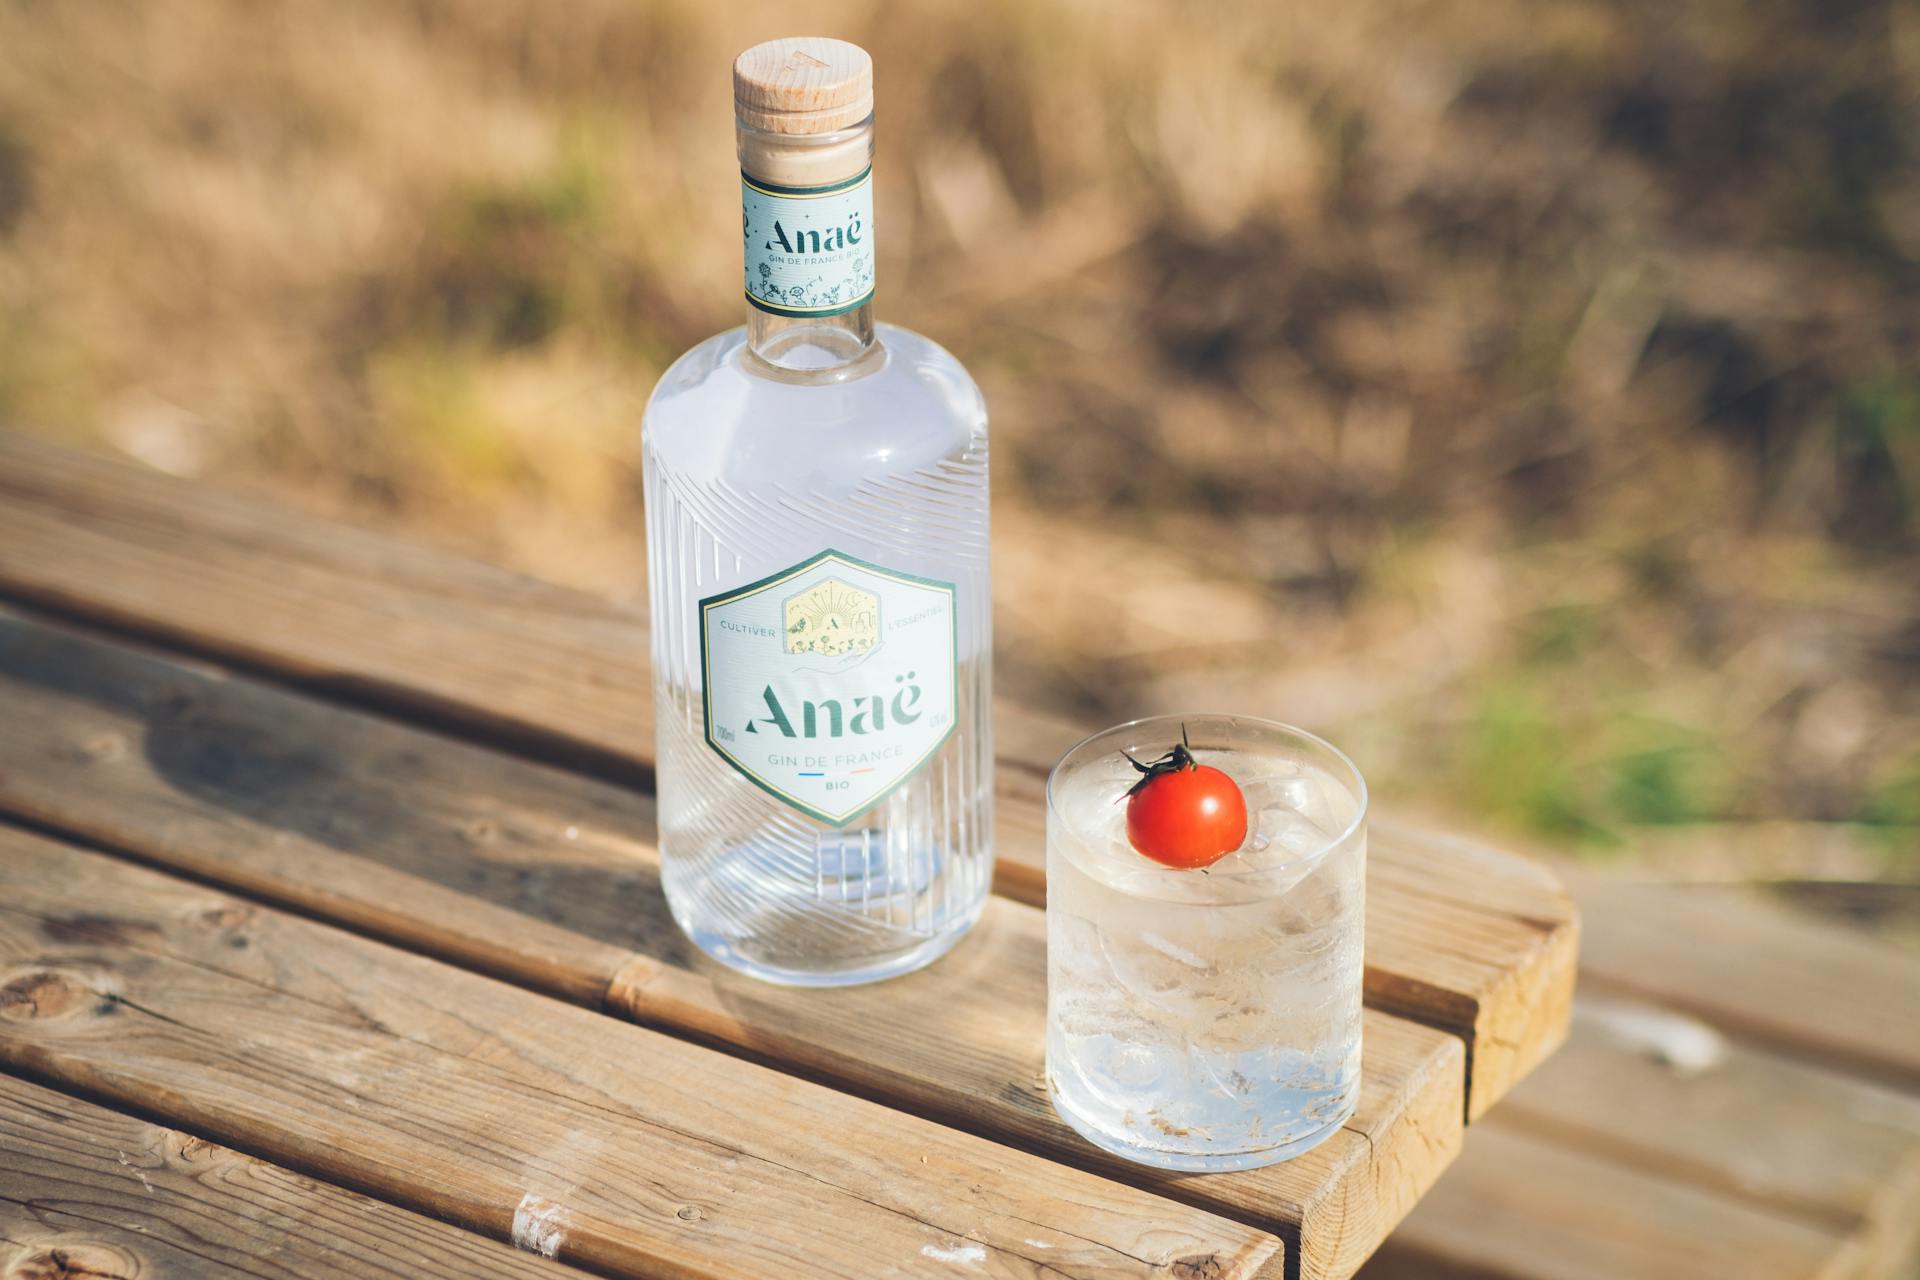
(816, 492)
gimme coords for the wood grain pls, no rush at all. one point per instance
(520, 1117)
(1470, 940)
(111, 1197)
(1521, 1207)
(550, 879)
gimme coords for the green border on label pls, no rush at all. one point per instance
(801, 313)
(707, 603)
(804, 193)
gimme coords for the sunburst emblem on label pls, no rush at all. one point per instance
(832, 619)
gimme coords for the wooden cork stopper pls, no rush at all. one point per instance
(803, 85)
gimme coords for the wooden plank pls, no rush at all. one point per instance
(1517, 1206)
(357, 614)
(1753, 967)
(564, 676)
(597, 1142)
(338, 814)
(85, 1191)
(1781, 1136)
(550, 879)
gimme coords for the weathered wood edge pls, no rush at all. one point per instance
(1521, 1012)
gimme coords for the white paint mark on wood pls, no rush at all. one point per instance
(1038, 1244)
(537, 1225)
(1686, 1044)
(965, 1253)
(138, 1172)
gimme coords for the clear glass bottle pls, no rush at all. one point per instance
(816, 493)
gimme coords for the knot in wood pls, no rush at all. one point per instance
(229, 917)
(41, 994)
(81, 1261)
(184, 1149)
(1203, 1266)
(103, 748)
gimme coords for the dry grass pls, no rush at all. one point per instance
(1526, 394)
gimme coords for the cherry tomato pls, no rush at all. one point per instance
(1184, 813)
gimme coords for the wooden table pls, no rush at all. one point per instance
(331, 942)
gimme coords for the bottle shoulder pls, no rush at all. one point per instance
(916, 388)
(714, 412)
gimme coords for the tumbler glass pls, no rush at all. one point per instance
(1207, 1019)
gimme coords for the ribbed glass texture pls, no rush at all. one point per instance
(750, 469)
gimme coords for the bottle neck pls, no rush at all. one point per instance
(807, 219)
(829, 343)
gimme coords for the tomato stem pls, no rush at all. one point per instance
(1180, 757)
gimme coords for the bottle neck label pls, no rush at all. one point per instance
(809, 250)
(830, 683)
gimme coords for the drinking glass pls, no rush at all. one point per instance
(1207, 1019)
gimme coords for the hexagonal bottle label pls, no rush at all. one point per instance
(830, 683)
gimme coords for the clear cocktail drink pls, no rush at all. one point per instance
(1207, 1019)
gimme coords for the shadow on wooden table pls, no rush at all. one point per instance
(541, 843)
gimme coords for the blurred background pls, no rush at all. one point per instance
(1523, 394)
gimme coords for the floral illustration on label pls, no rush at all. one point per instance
(809, 250)
(830, 683)
(832, 619)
